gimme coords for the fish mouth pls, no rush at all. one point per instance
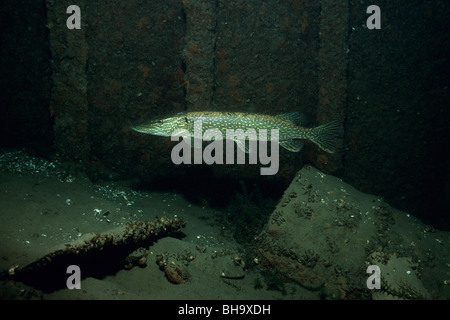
(139, 128)
(148, 128)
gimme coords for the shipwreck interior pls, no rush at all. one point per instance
(76, 92)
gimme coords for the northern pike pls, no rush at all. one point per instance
(291, 131)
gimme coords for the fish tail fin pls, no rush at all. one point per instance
(327, 135)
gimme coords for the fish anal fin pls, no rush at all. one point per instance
(294, 145)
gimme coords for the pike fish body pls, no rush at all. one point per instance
(289, 126)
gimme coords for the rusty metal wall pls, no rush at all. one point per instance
(134, 60)
(125, 64)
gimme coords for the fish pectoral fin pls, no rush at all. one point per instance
(242, 144)
(294, 145)
(195, 143)
(246, 145)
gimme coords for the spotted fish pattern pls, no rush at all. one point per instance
(291, 131)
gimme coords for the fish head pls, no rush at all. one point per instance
(164, 126)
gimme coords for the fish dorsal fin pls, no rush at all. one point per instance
(297, 118)
(293, 145)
